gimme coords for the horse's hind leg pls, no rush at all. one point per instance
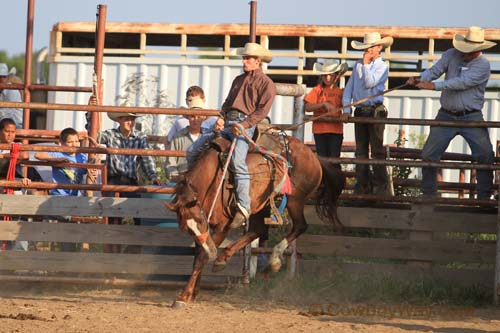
(256, 229)
(221, 261)
(295, 209)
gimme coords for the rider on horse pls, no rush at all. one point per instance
(248, 102)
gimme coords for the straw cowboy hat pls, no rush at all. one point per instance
(4, 70)
(371, 39)
(115, 115)
(330, 66)
(473, 41)
(255, 50)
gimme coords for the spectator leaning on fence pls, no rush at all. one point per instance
(323, 98)
(9, 95)
(67, 175)
(368, 78)
(194, 94)
(123, 169)
(467, 72)
(184, 139)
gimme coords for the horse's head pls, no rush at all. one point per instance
(191, 216)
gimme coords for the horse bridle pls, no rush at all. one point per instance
(195, 202)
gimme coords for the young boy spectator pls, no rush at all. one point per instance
(194, 95)
(183, 140)
(67, 175)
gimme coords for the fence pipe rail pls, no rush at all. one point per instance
(44, 87)
(88, 187)
(418, 200)
(213, 112)
(412, 121)
(98, 150)
(446, 165)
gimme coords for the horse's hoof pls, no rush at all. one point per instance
(218, 266)
(179, 305)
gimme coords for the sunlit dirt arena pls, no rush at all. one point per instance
(28, 309)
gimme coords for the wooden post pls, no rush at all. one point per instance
(496, 285)
(418, 235)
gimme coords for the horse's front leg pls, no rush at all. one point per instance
(200, 259)
(296, 212)
(217, 239)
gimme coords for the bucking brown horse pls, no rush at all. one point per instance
(195, 193)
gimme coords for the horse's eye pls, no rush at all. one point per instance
(190, 204)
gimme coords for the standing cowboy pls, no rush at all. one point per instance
(249, 101)
(369, 76)
(467, 72)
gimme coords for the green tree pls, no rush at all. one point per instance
(16, 61)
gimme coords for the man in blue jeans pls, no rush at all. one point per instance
(249, 101)
(369, 76)
(466, 74)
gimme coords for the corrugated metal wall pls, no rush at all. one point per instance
(174, 76)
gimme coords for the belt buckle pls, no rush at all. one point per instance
(233, 115)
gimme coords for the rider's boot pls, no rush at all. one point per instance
(240, 217)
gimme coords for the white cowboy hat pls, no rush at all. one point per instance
(371, 39)
(196, 103)
(115, 115)
(330, 66)
(255, 50)
(4, 70)
(472, 42)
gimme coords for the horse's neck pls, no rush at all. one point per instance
(204, 173)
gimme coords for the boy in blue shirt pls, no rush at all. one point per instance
(67, 175)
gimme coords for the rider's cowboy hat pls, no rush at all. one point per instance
(115, 115)
(255, 50)
(371, 39)
(4, 70)
(473, 41)
(330, 66)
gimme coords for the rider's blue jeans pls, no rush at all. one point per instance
(238, 160)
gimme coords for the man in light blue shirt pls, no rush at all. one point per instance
(462, 97)
(369, 76)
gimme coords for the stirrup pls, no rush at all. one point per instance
(240, 217)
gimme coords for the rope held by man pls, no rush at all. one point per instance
(331, 113)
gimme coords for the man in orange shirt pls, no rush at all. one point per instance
(323, 98)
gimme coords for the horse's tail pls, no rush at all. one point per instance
(332, 184)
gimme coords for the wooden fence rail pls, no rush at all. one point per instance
(175, 258)
(407, 241)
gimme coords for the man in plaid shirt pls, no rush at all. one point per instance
(122, 169)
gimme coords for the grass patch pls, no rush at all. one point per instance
(309, 289)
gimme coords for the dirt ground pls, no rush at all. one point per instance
(117, 310)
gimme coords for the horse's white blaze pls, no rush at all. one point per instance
(191, 223)
(278, 251)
